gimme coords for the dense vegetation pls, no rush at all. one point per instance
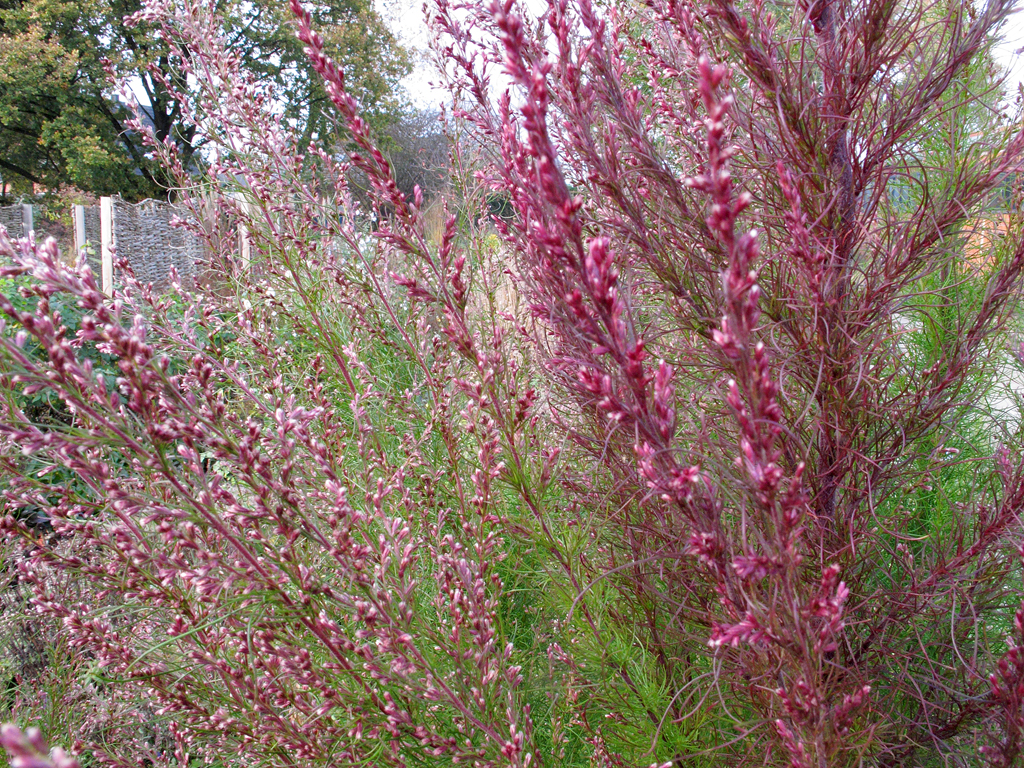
(699, 454)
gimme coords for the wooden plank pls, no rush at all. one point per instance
(79, 216)
(26, 218)
(107, 244)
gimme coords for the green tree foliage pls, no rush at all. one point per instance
(61, 124)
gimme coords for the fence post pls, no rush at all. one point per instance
(79, 216)
(26, 219)
(107, 243)
(244, 245)
(244, 241)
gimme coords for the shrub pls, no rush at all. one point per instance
(723, 489)
(419, 153)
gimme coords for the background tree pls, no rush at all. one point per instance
(61, 124)
(418, 150)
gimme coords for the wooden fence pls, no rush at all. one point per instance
(141, 232)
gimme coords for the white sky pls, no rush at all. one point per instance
(1008, 51)
(408, 21)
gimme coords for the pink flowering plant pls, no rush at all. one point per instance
(692, 463)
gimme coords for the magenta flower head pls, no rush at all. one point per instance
(26, 749)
